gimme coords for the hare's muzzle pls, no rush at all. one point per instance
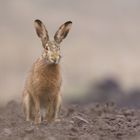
(55, 58)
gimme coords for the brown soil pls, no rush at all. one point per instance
(77, 122)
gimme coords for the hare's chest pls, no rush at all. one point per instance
(47, 81)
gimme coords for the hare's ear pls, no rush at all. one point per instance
(62, 31)
(41, 31)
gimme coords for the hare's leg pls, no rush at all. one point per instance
(53, 108)
(57, 106)
(48, 111)
(37, 109)
(27, 106)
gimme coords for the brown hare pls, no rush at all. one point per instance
(42, 87)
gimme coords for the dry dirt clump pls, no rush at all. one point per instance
(77, 122)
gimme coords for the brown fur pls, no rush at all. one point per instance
(43, 84)
(43, 88)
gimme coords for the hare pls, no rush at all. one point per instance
(43, 84)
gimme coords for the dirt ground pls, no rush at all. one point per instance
(77, 122)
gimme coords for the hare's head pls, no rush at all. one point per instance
(52, 48)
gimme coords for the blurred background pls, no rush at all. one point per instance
(100, 55)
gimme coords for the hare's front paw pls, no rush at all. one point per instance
(57, 120)
(28, 119)
(37, 119)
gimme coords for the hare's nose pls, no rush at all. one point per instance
(55, 61)
(54, 58)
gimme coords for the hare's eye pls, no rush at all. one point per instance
(46, 48)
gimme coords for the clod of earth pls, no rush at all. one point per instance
(90, 122)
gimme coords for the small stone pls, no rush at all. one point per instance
(7, 131)
(72, 122)
(74, 129)
(81, 119)
(29, 129)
